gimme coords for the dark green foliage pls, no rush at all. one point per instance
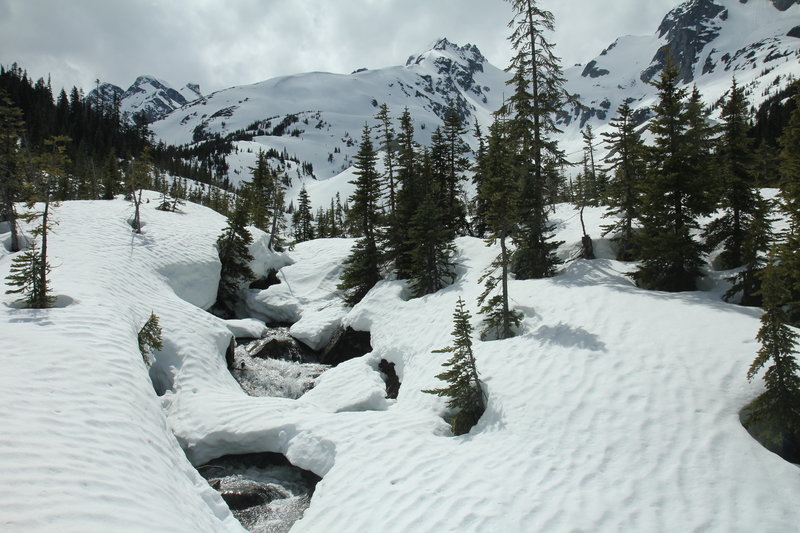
(778, 407)
(675, 191)
(735, 162)
(537, 98)
(499, 191)
(789, 251)
(455, 164)
(302, 219)
(465, 391)
(431, 246)
(387, 144)
(625, 187)
(28, 269)
(149, 338)
(234, 255)
(409, 197)
(11, 166)
(757, 241)
(362, 267)
(265, 198)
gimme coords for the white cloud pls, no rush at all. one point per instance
(219, 44)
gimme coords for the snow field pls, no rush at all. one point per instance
(615, 409)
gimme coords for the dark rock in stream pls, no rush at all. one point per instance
(346, 344)
(263, 490)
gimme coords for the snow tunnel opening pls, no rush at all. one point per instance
(264, 491)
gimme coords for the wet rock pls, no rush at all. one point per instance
(346, 344)
(267, 281)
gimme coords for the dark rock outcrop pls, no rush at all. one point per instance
(391, 378)
(346, 344)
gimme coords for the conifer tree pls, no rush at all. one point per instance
(500, 191)
(28, 269)
(149, 338)
(582, 194)
(431, 242)
(537, 98)
(398, 249)
(758, 238)
(11, 172)
(302, 218)
(362, 266)
(594, 183)
(456, 164)
(387, 144)
(624, 189)
(779, 405)
(479, 171)
(234, 256)
(675, 190)
(789, 167)
(734, 158)
(465, 390)
(137, 179)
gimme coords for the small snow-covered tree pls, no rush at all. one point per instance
(465, 390)
(25, 278)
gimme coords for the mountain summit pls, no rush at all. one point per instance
(147, 96)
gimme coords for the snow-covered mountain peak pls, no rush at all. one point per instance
(468, 55)
(148, 97)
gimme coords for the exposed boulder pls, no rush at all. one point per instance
(346, 344)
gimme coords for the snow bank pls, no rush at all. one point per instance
(615, 409)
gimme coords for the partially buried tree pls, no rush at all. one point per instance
(235, 257)
(465, 390)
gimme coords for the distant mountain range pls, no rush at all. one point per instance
(317, 117)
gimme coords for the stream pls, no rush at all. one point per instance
(264, 491)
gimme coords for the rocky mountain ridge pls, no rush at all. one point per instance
(147, 97)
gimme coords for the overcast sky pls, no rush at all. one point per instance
(221, 43)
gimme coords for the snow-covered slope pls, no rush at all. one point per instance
(615, 409)
(711, 41)
(318, 117)
(147, 96)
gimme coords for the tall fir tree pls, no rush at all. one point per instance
(386, 142)
(302, 218)
(431, 241)
(537, 98)
(410, 184)
(456, 164)
(362, 266)
(675, 191)
(625, 187)
(734, 161)
(464, 390)
(235, 257)
(778, 407)
(479, 225)
(12, 127)
(789, 167)
(500, 194)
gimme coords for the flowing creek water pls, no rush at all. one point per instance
(263, 490)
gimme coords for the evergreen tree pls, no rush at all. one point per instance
(758, 238)
(398, 249)
(465, 390)
(624, 189)
(789, 166)
(675, 190)
(304, 228)
(779, 405)
(362, 270)
(387, 144)
(234, 255)
(11, 171)
(537, 98)
(479, 224)
(735, 161)
(456, 164)
(137, 179)
(500, 193)
(28, 269)
(149, 338)
(259, 192)
(594, 183)
(431, 244)
(582, 194)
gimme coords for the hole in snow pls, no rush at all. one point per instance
(778, 440)
(389, 375)
(264, 491)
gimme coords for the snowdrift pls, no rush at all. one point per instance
(615, 409)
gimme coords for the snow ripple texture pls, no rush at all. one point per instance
(615, 409)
